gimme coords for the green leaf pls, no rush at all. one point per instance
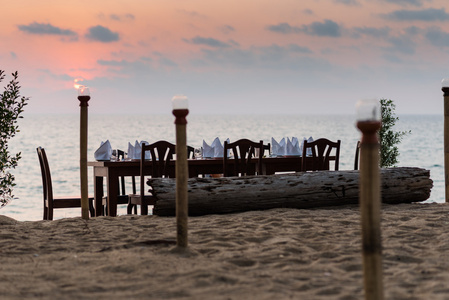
(11, 106)
(389, 138)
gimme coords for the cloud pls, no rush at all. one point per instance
(125, 17)
(226, 29)
(164, 61)
(437, 37)
(193, 14)
(278, 52)
(61, 77)
(123, 66)
(112, 63)
(412, 30)
(402, 44)
(283, 28)
(102, 34)
(326, 28)
(348, 2)
(308, 11)
(275, 57)
(46, 29)
(406, 2)
(392, 58)
(298, 49)
(13, 55)
(211, 42)
(373, 31)
(427, 15)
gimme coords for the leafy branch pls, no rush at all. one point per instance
(388, 137)
(11, 106)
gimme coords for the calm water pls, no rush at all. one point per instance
(59, 135)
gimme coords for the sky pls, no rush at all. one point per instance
(227, 57)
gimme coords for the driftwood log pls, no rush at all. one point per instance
(295, 190)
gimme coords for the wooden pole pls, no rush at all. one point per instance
(370, 199)
(83, 156)
(182, 174)
(446, 141)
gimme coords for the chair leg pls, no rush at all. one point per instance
(129, 208)
(50, 214)
(91, 209)
(144, 209)
(45, 213)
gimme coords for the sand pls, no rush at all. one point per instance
(274, 254)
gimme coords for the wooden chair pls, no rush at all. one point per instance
(50, 202)
(267, 147)
(161, 155)
(321, 151)
(356, 157)
(244, 151)
(190, 152)
(122, 197)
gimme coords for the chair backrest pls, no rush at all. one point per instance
(356, 157)
(267, 147)
(321, 151)
(243, 151)
(161, 155)
(190, 152)
(46, 177)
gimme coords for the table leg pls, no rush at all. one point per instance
(98, 195)
(112, 183)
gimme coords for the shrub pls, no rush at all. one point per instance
(11, 106)
(388, 138)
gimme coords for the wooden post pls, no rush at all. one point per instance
(446, 141)
(180, 111)
(84, 98)
(370, 199)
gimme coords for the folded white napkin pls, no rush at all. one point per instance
(135, 151)
(214, 150)
(130, 151)
(104, 152)
(218, 148)
(292, 147)
(289, 147)
(148, 153)
(277, 149)
(309, 151)
(285, 147)
(208, 151)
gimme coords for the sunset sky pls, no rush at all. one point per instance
(246, 56)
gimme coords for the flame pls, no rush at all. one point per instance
(77, 85)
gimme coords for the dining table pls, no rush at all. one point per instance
(113, 170)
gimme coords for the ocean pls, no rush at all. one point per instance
(59, 135)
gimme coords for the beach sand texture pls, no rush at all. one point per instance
(273, 254)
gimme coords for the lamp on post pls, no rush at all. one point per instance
(83, 97)
(180, 111)
(369, 122)
(445, 89)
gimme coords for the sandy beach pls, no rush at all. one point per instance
(273, 254)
